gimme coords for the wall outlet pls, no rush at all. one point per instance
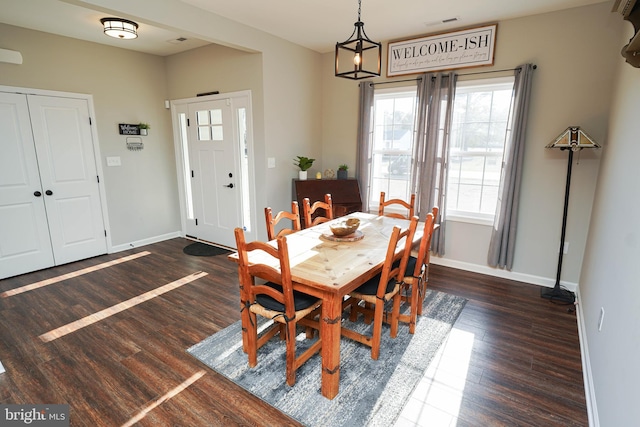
(601, 319)
(565, 248)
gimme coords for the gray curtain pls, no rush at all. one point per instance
(503, 235)
(365, 145)
(429, 175)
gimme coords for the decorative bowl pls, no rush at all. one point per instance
(346, 227)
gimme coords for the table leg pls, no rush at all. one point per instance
(330, 330)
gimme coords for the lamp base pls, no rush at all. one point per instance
(558, 295)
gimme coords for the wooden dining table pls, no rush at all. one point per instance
(330, 270)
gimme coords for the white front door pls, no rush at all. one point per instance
(62, 132)
(24, 233)
(215, 176)
(50, 209)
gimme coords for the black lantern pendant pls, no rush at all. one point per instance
(358, 57)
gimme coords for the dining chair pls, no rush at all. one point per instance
(414, 285)
(294, 216)
(274, 300)
(308, 210)
(380, 289)
(410, 206)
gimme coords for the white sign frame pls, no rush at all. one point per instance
(472, 47)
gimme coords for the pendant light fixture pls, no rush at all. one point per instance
(120, 28)
(358, 57)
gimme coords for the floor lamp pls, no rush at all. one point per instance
(572, 139)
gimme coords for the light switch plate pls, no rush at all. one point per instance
(114, 161)
(271, 162)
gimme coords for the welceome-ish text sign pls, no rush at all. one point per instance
(472, 47)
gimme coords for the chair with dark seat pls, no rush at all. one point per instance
(396, 203)
(309, 210)
(293, 216)
(381, 289)
(274, 300)
(416, 275)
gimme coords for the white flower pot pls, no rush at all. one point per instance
(302, 175)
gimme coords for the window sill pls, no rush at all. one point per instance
(470, 219)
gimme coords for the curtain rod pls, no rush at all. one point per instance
(465, 74)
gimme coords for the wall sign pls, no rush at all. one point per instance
(472, 47)
(128, 129)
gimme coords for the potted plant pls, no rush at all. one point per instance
(342, 172)
(144, 128)
(304, 163)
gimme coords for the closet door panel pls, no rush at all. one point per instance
(24, 233)
(64, 145)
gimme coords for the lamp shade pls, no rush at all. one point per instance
(573, 138)
(120, 28)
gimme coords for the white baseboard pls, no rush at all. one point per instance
(505, 274)
(144, 242)
(589, 389)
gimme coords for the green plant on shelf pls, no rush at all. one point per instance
(304, 163)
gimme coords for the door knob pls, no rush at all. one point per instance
(229, 186)
(48, 192)
(37, 193)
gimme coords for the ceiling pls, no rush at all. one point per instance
(317, 24)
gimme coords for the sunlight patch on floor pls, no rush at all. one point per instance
(125, 305)
(143, 413)
(57, 279)
(437, 398)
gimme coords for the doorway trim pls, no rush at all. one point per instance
(94, 136)
(180, 161)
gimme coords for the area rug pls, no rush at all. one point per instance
(372, 392)
(203, 249)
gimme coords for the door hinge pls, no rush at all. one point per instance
(188, 123)
(105, 233)
(90, 123)
(98, 178)
(192, 175)
(196, 221)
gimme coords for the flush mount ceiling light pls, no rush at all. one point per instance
(358, 57)
(120, 28)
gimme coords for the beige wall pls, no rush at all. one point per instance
(290, 108)
(574, 51)
(127, 87)
(611, 269)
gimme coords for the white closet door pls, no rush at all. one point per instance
(64, 146)
(24, 233)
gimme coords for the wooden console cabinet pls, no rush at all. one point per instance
(345, 193)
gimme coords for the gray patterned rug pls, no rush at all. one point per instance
(372, 392)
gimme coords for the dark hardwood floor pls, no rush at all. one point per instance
(132, 366)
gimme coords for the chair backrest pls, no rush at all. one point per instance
(410, 206)
(271, 257)
(395, 263)
(425, 245)
(294, 216)
(308, 210)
